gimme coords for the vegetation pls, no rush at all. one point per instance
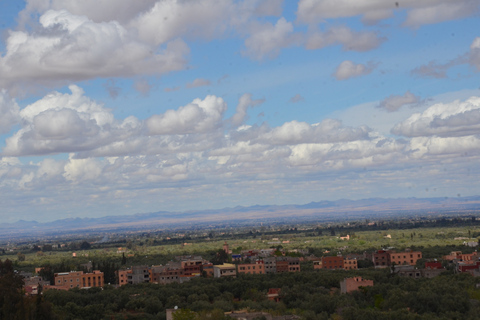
(310, 294)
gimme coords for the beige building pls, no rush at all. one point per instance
(78, 279)
(350, 264)
(224, 270)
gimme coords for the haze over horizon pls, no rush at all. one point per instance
(116, 107)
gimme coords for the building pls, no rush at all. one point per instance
(191, 265)
(251, 268)
(170, 273)
(350, 264)
(122, 276)
(317, 264)
(407, 270)
(273, 294)
(226, 249)
(224, 270)
(352, 284)
(32, 284)
(281, 266)
(138, 274)
(466, 266)
(270, 264)
(433, 265)
(332, 262)
(458, 255)
(78, 279)
(207, 269)
(407, 257)
(293, 264)
(381, 259)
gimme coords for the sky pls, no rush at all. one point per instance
(117, 107)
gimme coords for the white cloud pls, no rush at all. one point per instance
(167, 20)
(327, 131)
(475, 53)
(244, 103)
(348, 69)
(418, 12)
(199, 116)
(267, 39)
(9, 112)
(82, 169)
(269, 8)
(455, 119)
(395, 102)
(61, 123)
(68, 47)
(349, 39)
(441, 11)
(98, 11)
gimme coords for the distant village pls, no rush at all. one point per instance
(263, 261)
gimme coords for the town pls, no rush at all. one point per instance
(263, 261)
(249, 272)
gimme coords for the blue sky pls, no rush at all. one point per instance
(119, 107)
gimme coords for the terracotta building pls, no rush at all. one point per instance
(332, 262)
(78, 279)
(352, 284)
(282, 266)
(251, 268)
(207, 269)
(381, 258)
(122, 276)
(407, 257)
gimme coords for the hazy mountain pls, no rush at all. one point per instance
(323, 211)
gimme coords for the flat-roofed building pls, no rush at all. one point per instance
(139, 274)
(332, 262)
(381, 258)
(78, 279)
(251, 268)
(350, 264)
(170, 273)
(270, 265)
(407, 257)
(122, 276)
(224, 270)
(207, 269)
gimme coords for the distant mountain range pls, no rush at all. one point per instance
(322, 212)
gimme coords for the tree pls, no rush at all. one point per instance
(20, 256)
(85, 245)
(184, 314)
(11, 297)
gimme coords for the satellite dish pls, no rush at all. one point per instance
(176, 307)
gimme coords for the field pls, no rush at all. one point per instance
(146, 248)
